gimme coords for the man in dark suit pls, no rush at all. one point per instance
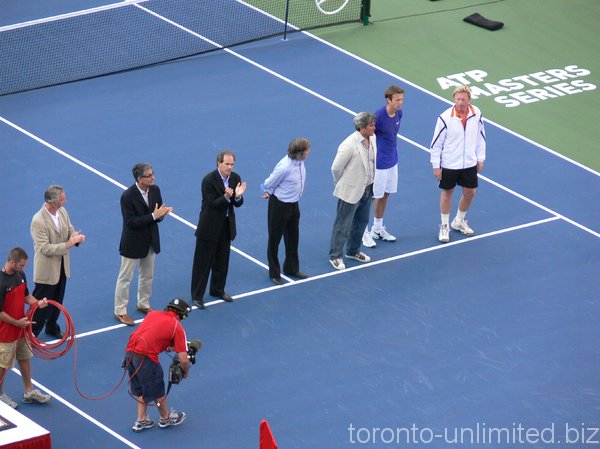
(222, 189)
(142, 208)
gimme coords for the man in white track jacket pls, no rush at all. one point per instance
(457, 155)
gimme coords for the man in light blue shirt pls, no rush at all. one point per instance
(283, 188)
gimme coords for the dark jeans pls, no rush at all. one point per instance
(350, 223)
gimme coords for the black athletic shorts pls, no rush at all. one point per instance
(464, 177)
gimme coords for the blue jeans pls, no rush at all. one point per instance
(350, 223)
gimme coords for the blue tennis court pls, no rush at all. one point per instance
(493, 331)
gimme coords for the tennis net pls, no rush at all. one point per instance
(138, 33)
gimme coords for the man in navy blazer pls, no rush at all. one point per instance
(142, 208)
(222, 190)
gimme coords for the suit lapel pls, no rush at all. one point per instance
(364, 156)
(49, 221)
(219, 181)
(151, 199)
(138, 196)
(64, 229)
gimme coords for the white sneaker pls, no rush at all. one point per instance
(462, 226)
(8, 401)
(367, 240)
(382, 234)
(338, 263)
(35, 396)
(444, 234)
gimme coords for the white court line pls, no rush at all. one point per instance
(422, 89)
(514, 193)
(429, 249)
(80, 412)
(323, 98)
(262, 290)
(109, 179)
(343, 108)
(70, 15)
(312, 36)
(433, 94)
(267, 289)
(297, 85)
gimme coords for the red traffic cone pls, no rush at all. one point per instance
(267, 441)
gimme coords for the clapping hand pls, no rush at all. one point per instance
(76, 239)
(240, 189)
(160, 212)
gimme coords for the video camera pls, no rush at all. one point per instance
(175, 370)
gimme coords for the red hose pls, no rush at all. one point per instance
(49, 351)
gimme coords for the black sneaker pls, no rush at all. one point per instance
(174, 419)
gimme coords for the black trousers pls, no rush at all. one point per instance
(283, 221)
(48, 316)
(211, 258)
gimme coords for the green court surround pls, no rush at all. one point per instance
(423, 40)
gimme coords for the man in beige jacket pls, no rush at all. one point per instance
(53, 235)
(353, 171)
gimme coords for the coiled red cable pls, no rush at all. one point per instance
(48, 351)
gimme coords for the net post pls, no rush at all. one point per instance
(365, 12)
(287, 10)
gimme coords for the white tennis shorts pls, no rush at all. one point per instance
(386, 181)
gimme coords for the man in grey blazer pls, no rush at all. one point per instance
(353, 171)
(53, 236)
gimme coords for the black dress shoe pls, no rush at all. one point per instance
(298, 275)
(279, 281)
(55, 333)
(226, 297)
(199, 304)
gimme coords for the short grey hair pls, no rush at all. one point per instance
(52, 193)
(139, 169)
(363, 119)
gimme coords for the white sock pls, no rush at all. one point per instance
(460, 215)
(445, 219)
(378, 224)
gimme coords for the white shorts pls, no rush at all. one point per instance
(386, 181)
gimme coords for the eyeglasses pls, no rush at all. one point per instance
(151, 175)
